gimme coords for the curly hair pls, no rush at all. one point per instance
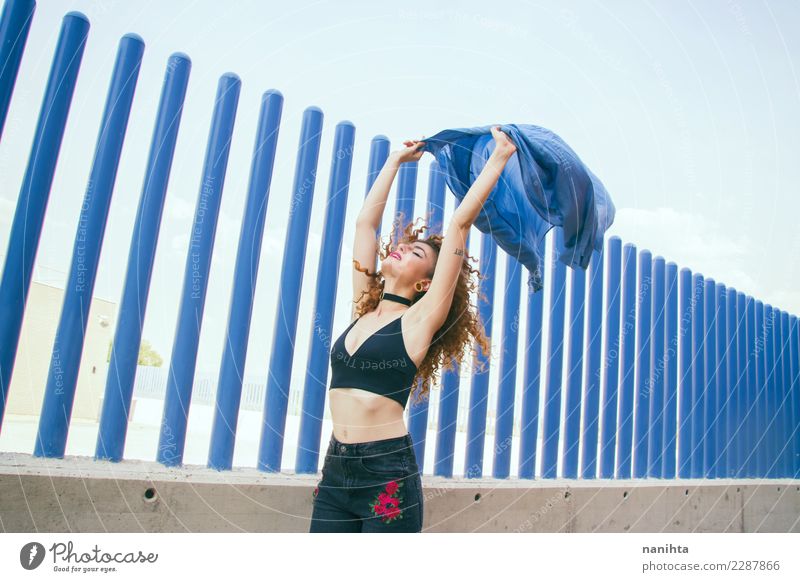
(462, 327)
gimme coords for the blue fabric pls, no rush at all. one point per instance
(544, 185)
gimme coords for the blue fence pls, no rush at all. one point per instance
(667, 373)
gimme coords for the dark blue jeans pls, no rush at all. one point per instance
(373, 486)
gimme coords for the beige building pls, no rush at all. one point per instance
(29, 379)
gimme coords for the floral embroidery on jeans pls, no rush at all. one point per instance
(387, 503)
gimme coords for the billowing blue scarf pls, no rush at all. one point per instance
(543, 185)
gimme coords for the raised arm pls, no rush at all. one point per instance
(432, 309)
(371, 215)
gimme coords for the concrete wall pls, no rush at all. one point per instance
(78, 494)
(35, 349)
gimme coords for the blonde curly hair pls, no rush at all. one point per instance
(462, 328)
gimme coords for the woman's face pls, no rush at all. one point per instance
(409, 263)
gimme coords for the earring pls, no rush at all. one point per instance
(418, 287)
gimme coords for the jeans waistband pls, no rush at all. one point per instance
(401, 443)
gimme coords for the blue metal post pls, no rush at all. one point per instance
(733, 388)
(641, 402)
(748, 445)
(794, 401)
(551, 421)
(574, 356)
(529, 415)
(294, 256)
(668, 466)
(34, 193)
(506, 394)
(234, 357)
(378, 153)
(444, 453)
(15, 22)
(418, 413)
(783, 381)
(62, 378)
(172, 440)
(724, 385)
(406, 192)
(611, 359)
(316, 383)
(628, 352)
(479, 394)
(769, 354)
(698, 378)
(759, 356)
(743, 412)
(784, 395)
(743, 402)
(687, 301)
(591, 378)
(710, 378)
(128, 336)
(655, 389)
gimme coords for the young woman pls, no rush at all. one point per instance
(414, 315)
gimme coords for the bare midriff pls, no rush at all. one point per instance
(360, 416)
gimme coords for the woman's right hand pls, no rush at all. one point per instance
(411, 153)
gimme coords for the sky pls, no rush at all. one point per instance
(687, 112)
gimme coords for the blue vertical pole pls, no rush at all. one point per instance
(26, 227)
(668, 467)
(591, 377)
(128, 336)
(294, 256)
(742, 414)
(698, 370)
(406, 193)
(641, 403)
(574, 356)
(418, 412)
(733, 389)
(15, 22)
(529, 415)
(794, 400)
(378, 153)
(315, 389)
(784, 395)
(62, 377)
(743, 403)
(655, 437)
(686, 306)
(234, 357)
(721, 370)
(611, 358)
(759, 355)
(628, 352)
(444, 453)
(172, 438)
(748, 444)
(782, 381)
(479, 395)
(551, 419)
(710, 377)
(769, 354)
(506, 393)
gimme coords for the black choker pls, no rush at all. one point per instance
(393, 297)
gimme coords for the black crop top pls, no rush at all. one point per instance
(381, 363)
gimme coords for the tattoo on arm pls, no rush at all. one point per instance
(459, 252)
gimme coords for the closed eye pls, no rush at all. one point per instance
(419, 255)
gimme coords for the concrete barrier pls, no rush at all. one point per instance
(79, 494)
